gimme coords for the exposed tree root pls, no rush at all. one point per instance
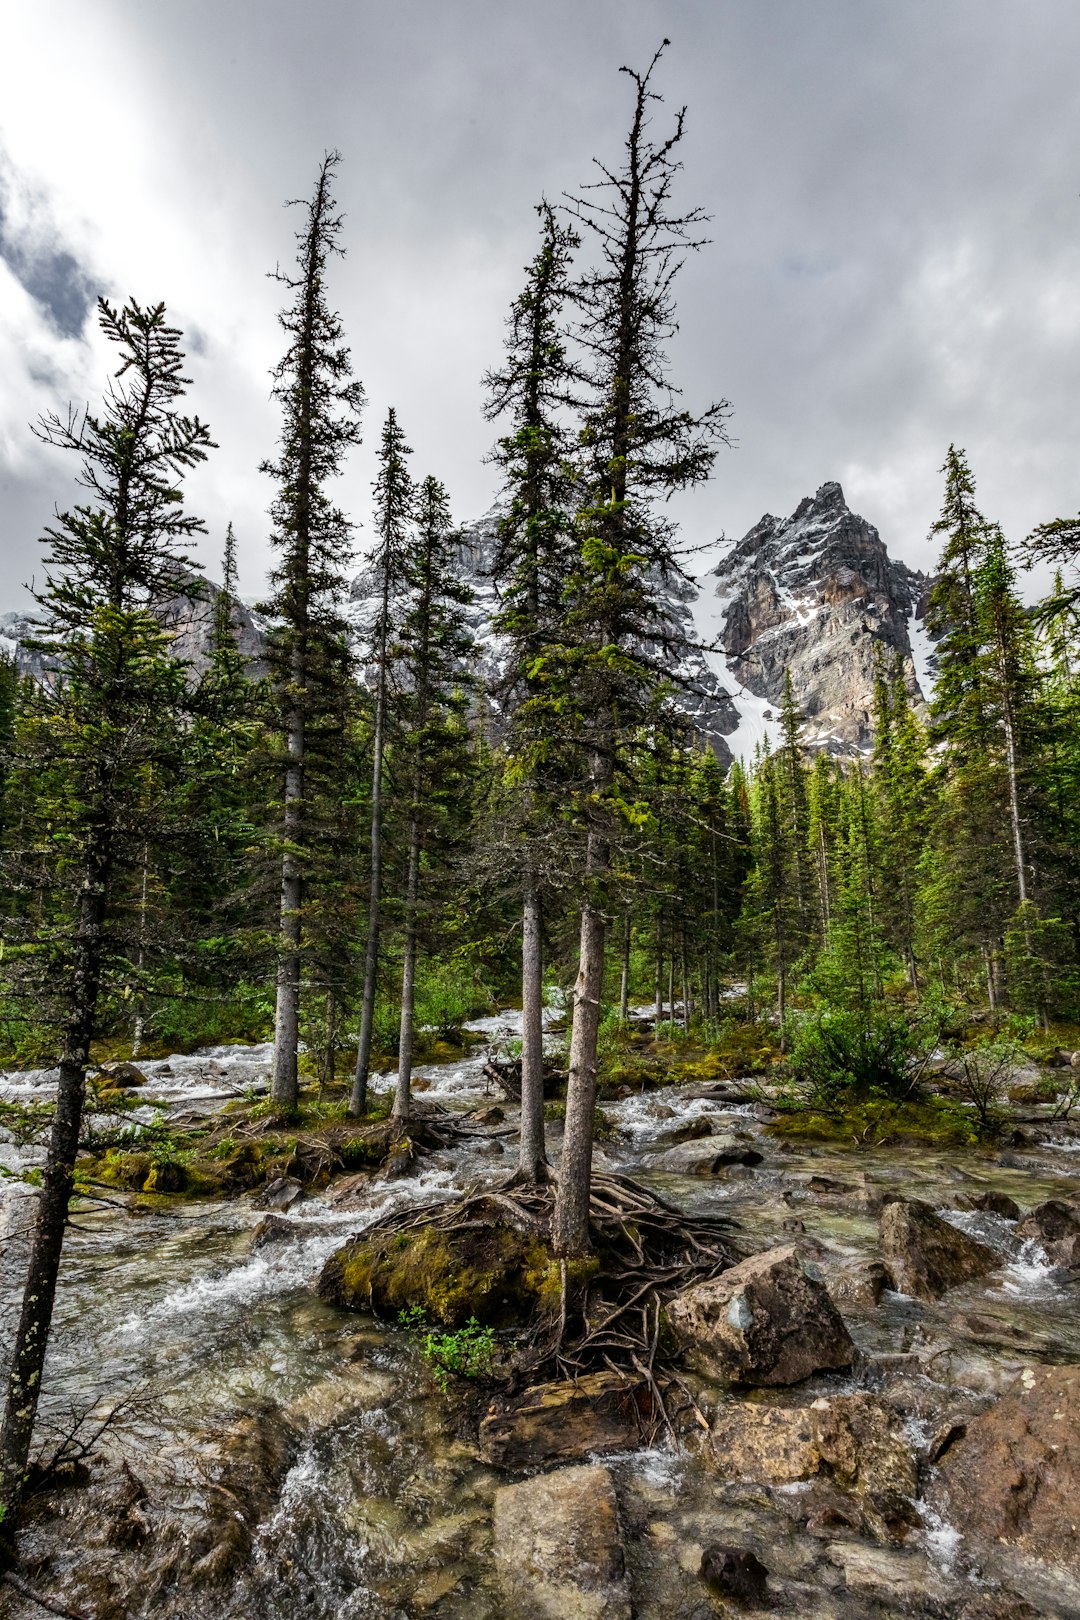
(51, 1605)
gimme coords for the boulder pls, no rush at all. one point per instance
(1014, 1477)
(489, 1116)
(707, 1156)
(1050, 1222)
(997, 1203)
(861, 1283)
(735, 1572)
(769, 1320)
(271, 1229)
(573, 1418)
(852, 1442)
(558, 1549)
(926, 1255)
(280, 1194)
(122, 1076)
(691, 1130)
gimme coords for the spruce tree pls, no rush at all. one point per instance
(321, 403)
(433, 761)
(104, 742)
(395, 501)
(639, 445)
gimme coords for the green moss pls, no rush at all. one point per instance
(491, 1273)
(932, 1120)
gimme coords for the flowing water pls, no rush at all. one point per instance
(378, 1502)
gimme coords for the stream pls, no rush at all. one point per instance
(369, 1493)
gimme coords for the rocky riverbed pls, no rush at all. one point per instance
(278, 1455)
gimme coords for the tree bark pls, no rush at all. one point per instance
(570, 1226)
(403, 1094)
(285, 1088)
(35, 1322)
(358, 1098)
(624, 978)
(532, 1155)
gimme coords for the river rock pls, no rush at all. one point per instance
(122, 1076)
(708, 1156)
(1050, 1222)
(925, 1254)
(280, 1194)
(769, 1320)
(573, 1418)
(861, 1283)
(735, 1572)
(558, 1549)
(853, 1442)
(1014, 1477)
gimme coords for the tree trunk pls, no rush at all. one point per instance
(329, 1051)
(358, 1098)
(532, 1155)
(685, 983)
(570, 1225)
(285, 1087)
(403, 1095)
(658, 1011)
(140, 962)
(32, 1334)
(624, 979)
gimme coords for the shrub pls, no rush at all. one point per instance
(464, 1353)
(842, 1056)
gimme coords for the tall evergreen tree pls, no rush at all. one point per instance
(106, 739)
(395, 502)
(639, 445)
(433, 752)
(321, 403)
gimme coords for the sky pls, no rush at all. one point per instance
(894, 261)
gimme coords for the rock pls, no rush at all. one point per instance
(997, 1203)
(692, 1129)
(1050, 1222)
(1065, 1252)
(735, 1572)
(489, 1116)
(123, 1076)
(861, 1284)
(280, 1194)
(925, 1254)
(769, 1320)
(558, 1550)
(490, 1150)
(271, 1229)
(1014, 1477)
(553, 1422)
(853, 1442)
(401, 1161)
(709, 1156)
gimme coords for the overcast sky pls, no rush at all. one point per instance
(896, 231)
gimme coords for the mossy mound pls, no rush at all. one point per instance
(490, 1272)
(930, 1121)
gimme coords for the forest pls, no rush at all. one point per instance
(358, 850)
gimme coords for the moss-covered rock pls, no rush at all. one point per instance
(491, 1272)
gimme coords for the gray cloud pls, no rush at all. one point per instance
(896, 228)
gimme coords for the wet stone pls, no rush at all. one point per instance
(280, 1194)
(926, 1255)
(575, 1418)
(735, 1572)
(769, 1320)
(558, 1548)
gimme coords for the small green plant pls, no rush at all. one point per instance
(464, 1353)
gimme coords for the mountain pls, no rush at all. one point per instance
(816, 594)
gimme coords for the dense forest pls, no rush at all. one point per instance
(357, 849)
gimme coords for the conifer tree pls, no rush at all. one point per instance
(639, 445)
(321, 403)
(433, 752)
(105, 744)
(395, 501)
(534, 388)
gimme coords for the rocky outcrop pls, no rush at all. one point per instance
(1014, 1477)
(768, 1321)
(1056, 1225)
(558, 1548)
(854, 1443)
(573, 1418)
(815, 595)
(926, 1255)
(706, 1156)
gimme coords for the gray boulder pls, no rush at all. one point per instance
(926, 1255)
(768, 1321)
(706, 1156)
(558, 1549)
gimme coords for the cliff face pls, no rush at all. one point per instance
(815, 594)
(818, 595)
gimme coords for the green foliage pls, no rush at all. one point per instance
(840, 1055)
(466, 1352)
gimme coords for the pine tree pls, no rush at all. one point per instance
(638, 446)
(534, 388)
(321, 403)
(395, 501)
(433, 750)
(105, 743)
